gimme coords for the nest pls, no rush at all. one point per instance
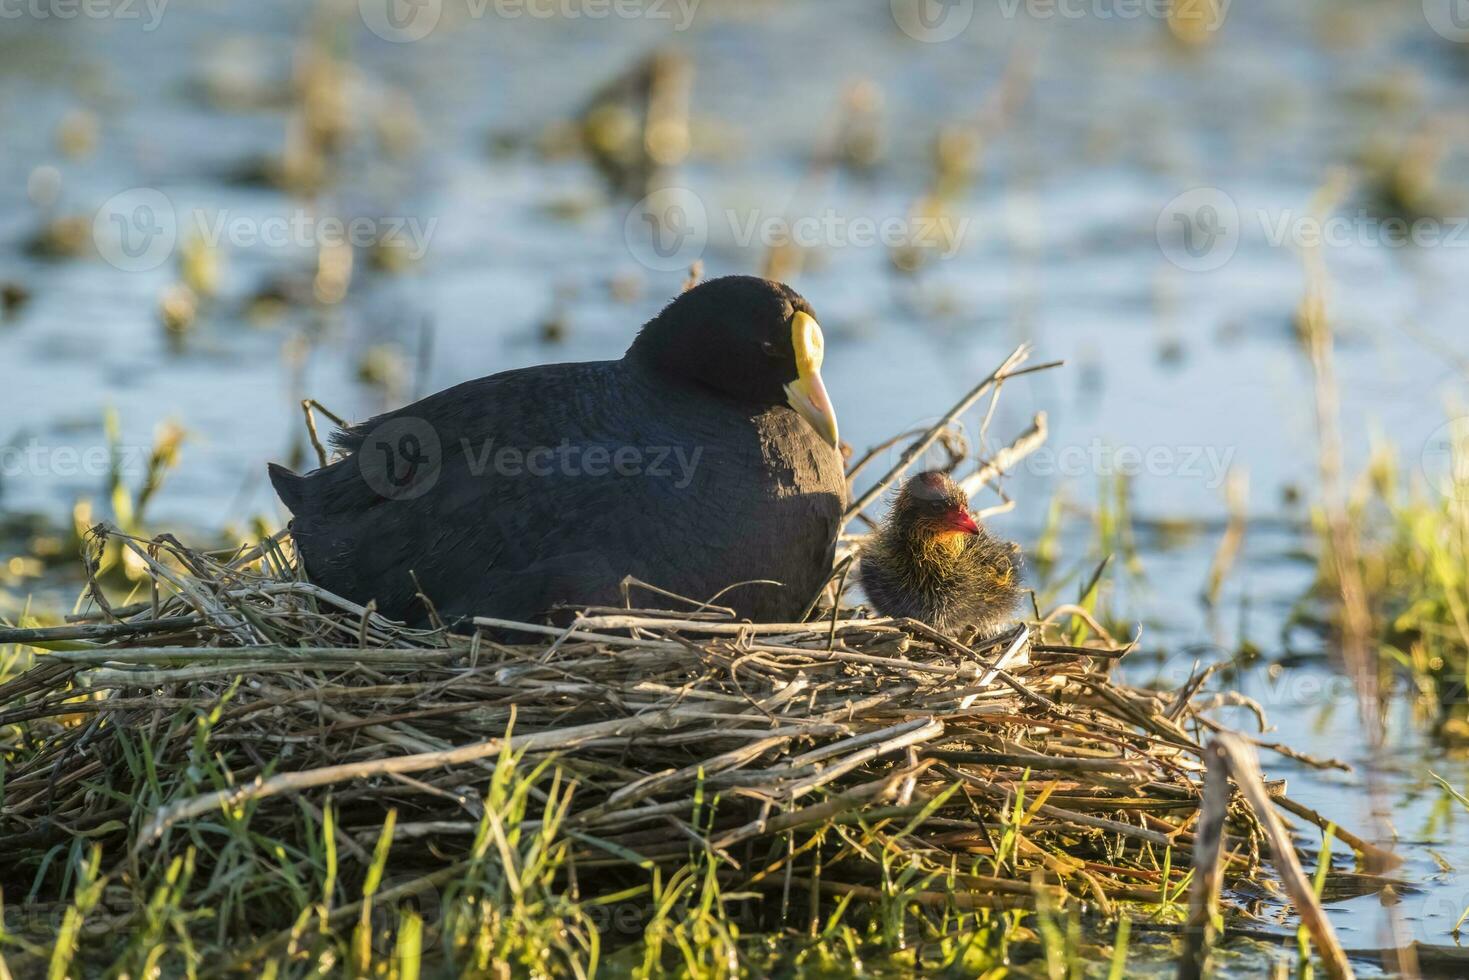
(847, 756)
(1019, 753)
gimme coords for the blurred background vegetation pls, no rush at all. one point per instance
(211, 211)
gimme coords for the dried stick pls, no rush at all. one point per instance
(1008, 369)
(1026, 443)
(308, 407)
(1203, 904)
(1246, 773)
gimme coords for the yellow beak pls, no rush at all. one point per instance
(807, 395)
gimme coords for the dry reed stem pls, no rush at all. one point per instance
(1246, 773)
(1203, 906)
(1009, 368)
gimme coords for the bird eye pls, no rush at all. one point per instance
(769, 348)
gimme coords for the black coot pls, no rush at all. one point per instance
(706, 456)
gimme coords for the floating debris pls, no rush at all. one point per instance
(396, 123)
(1405, 181)
(334, 261)
(13, 296)
(860, 143)
(957, 152)
(43, 186)
(554, 328)
(637, 126)
(199, 265)
(393, 254)
(1196, 22)
(179, 309)
(383, 366)
(78, 133)
(65, 237)
(236, 76)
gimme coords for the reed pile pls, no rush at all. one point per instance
(812, 759)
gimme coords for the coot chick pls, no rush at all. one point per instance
(932, 562)
(704, 457)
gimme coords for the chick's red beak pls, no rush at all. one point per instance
(958, 518)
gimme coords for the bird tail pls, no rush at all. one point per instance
(290, 487)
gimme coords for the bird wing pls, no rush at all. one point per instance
(421, 491)
(512, 492)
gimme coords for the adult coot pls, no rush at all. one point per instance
(706, 456)
(932, 562)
